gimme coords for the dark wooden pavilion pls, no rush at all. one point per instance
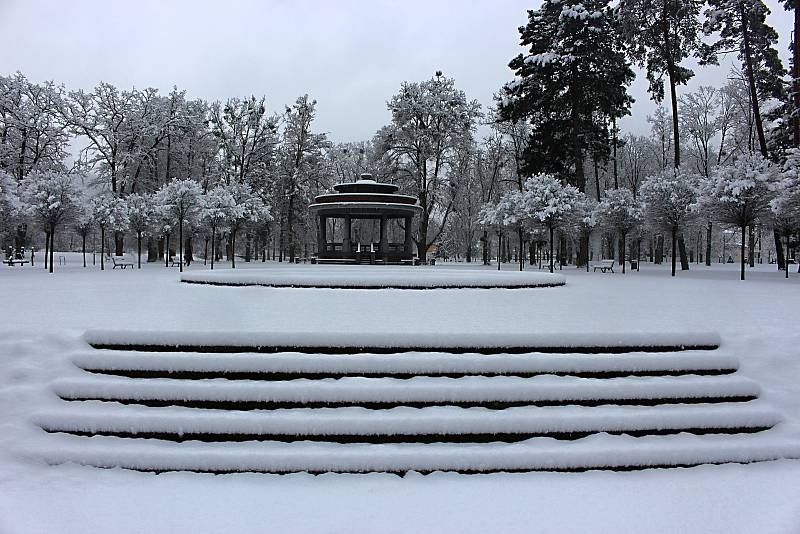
(364, 199)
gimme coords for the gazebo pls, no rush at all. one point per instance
(365, 200)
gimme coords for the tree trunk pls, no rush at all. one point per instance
(233, 249)
(139, 249)
(102, 248)
(787, 253)
(751, 247)
(166, 251)
(744, 229)
(521, 252)
(213, 246)
(46, 248)
(52, 241)
(290, 229)
(499, 248)
(708, 244)
(180, 245)
(682, 253)
(659, 259)
(622, 244)
(674, 249)
(551, 246)
(751, 80)
(83, 249)
(188, 250)
(119, 243)
(674, 99)
(780, 258)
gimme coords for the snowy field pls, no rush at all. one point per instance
(44, 314)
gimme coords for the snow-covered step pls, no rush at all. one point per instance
(290, 365)
(399, 342)
(494, 392)
(600, 451)
(434, 424)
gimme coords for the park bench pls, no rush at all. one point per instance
(12, 262)
(603, 265)
(121, 263)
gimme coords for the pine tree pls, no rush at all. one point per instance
(570, 84)
(742, 28)
(661, 34)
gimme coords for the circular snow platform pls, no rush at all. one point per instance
(375, 277)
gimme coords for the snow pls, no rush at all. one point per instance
(46, 316)
(410, 362)
(601, 450)
(97, 416)
(417, 389)
(349, 276)
(360, 340)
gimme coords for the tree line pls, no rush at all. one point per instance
(552, 128)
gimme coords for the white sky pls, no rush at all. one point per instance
(350, 55)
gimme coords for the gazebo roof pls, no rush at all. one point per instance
(365, 197)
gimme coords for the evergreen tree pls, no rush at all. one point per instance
(661, 34)
(743, 28)
(571, 82)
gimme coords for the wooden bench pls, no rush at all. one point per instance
(603, 265)
(121, 263)
(176, 262)
(12, 262)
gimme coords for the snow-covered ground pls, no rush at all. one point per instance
(44, 316)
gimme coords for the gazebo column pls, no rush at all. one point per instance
(382, 245)
(347, 247)
(408, 243)
(322, 235)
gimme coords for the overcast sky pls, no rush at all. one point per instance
(350, 55)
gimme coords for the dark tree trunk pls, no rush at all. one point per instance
(744, 230)
(674, 249)
(622, 244)
(780, 259)
(119, 243)
(521, 251)
(682, 253)
(499, 248)
(46, 248)
(166, 251)
(180, 245)
(290, 229)
(751, 247)
(139, 249)
(188, 250)
(708, 244)
(659, 259)
(551, 246)
(751, 80)
(102, 248)
(213, 246)
(233, 249)
(83, 249)
(52, 241)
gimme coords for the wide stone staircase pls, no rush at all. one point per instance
(270, 403)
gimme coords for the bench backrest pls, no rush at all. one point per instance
(607, 262)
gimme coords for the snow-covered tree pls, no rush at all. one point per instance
(546, 200)
(786, 204)
(249, 208)
(569, 86)
(109, 213)
(183, 199)
(302, 164)
(218, 208)
(498, 215)
(50, 198)
(140, 219)
(429, 120)
(669, 203)
(742, 26)
(661, 34)
(739, 194)
(620, 211)
(83, 222)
